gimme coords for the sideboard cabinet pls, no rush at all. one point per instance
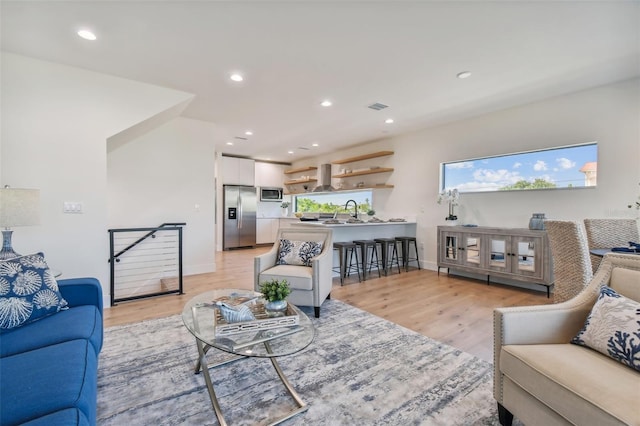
(510, 253)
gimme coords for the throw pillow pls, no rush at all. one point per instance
(613, 328)
(28, 291)
(298, 252)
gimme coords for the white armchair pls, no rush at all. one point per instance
(541, 378)
(310, 285)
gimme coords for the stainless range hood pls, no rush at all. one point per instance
(325, 179)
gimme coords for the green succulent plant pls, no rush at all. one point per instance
(274, 290)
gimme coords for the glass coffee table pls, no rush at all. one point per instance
(202, 319)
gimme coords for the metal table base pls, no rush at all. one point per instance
(202, 361)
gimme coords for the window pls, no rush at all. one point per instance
(333, 201)
(573, 166)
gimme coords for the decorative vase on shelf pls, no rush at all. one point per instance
(276, 308)
(537, 222)
(285, 208)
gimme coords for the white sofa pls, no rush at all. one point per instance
(542, 379)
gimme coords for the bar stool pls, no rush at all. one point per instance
(365, 245)
(406, 258)
(386, 245)
(346, 250)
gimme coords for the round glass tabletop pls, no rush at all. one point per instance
(202, 318)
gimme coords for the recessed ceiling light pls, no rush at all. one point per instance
(229, 143)
(248, 133)
(290, 152)
(464, 74)
(314, 144)
(87, 35)
(389, 120)
(236, 77)
(326, 103)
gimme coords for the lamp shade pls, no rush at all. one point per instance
(19, 207)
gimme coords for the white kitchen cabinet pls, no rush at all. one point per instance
(238, 171)
(266, 230)
(269, 174)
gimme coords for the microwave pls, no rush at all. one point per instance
(270, 194)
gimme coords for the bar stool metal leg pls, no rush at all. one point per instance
(365, 245)
(354, 251)
(406, 257)
(345, 253)
(389, 254)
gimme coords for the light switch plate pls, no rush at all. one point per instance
(74, 207)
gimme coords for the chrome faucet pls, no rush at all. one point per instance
(354, 204)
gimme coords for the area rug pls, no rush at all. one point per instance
(359, 370)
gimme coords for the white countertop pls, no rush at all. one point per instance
(347, 225)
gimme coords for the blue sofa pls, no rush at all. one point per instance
(49, 367)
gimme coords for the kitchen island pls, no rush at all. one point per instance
(343, 232)
(365, 230)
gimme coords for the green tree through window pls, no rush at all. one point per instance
(333, 202)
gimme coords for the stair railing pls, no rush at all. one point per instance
(145, 262)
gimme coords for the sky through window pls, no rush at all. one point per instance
(564, 167)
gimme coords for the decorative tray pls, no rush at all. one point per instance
(262, 322)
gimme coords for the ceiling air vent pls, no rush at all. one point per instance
(304, 148)
(241, 138)
(378, 106)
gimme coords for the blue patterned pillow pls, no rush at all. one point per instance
(298, 252)
(613, 328)
(28, 291)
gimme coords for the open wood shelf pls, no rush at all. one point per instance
(300, 170)
(363, 157)
(381, 186)
(297, 181)
(364, 172)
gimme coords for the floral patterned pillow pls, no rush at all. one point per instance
(28, 291)
(613, 328)
(298, 252)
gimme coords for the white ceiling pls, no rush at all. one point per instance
(295, 54)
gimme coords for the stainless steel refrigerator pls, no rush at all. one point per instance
(240, 204)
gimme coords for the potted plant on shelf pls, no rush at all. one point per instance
(452, 197)
(275, 293)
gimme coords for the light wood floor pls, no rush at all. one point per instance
(453, 310)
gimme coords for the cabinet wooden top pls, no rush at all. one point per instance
(490, 230)
(363, 157)
(299, 170)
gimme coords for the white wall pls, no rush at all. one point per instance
(167, 176)
(56, 121)
(608, 115)
(55, 124)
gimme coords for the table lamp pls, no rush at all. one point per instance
(18, 207)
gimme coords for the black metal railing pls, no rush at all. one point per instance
(145, 262)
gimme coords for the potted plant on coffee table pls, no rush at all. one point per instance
(275, 293)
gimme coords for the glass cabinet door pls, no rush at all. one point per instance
(498, 258)
(472, 248)
(526, 255)
(451, 247)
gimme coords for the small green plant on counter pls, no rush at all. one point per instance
(285, 204)
(275, 290)
(371, 212)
